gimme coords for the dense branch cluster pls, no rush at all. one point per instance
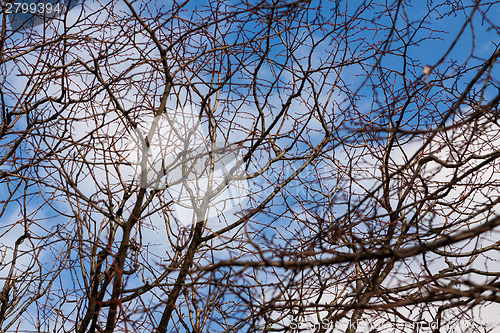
(226, 166)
